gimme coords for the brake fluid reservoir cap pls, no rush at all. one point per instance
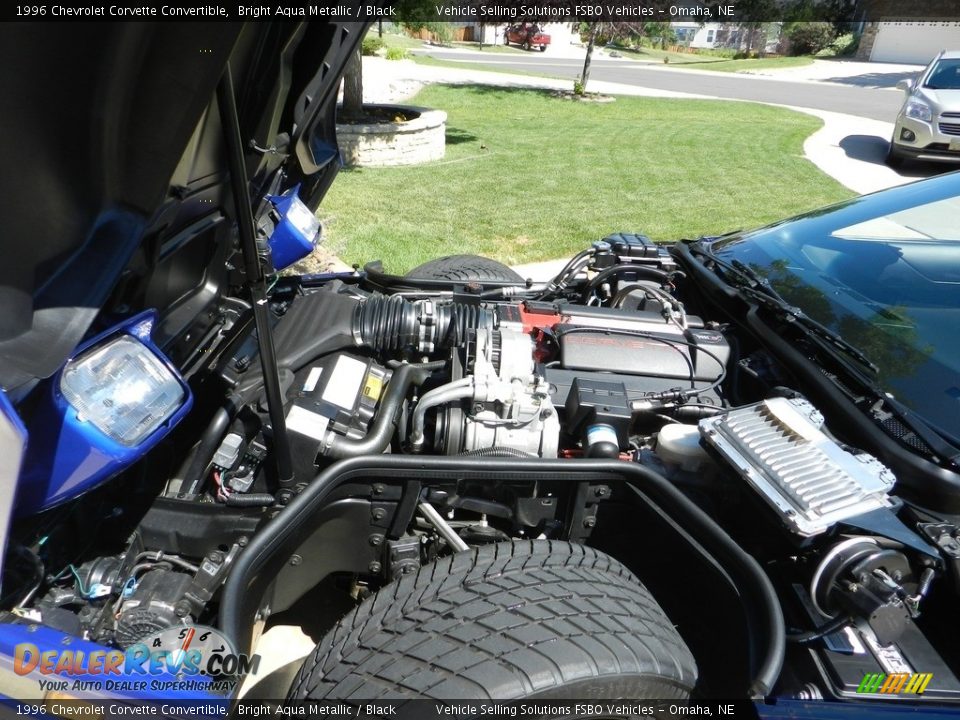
(679, 445)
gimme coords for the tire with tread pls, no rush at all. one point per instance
(527, 619)
(895, 159)
(464, 268)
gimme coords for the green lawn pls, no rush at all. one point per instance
(747, 65)
(656, 55)
(396, 40)
(702, 61)
(528, 176)
(428, 59)
(487, 47)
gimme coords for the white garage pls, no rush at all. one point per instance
(914, 42)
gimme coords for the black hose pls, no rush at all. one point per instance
(393, 323)
(250, 500)
(560, 280)
(257, 566)
(379, 435)
(604, 275)
(838, 623)
(504, 452)
(196, 471)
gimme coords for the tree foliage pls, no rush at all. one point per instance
(807, 38)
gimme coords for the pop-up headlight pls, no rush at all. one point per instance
(297, 231)
(112, 402)
(122, 388)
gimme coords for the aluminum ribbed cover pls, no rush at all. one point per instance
(813, 483)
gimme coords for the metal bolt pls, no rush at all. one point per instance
(601, 491)
(379, 513)
(852, 587)
(375, 540)
(66, 640)
(242, 541)
(589, 522)
(295, 560)
(374, 567)
(216, 557)
(182, 609)
(379, 488)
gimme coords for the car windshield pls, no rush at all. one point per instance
(945, 75)
(882, 271)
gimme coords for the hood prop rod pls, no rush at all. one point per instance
(256, 278)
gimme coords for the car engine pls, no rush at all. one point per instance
(603, 362)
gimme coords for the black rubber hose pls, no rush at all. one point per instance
(196, 471)
(604, 275)
(838, 623)
(250, 500)
(504, 452)
(378, 437)
(258, 564)
(386, 323)
(392, 323)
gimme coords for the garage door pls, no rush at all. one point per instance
(914, 42)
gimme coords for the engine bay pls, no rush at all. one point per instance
(617, 358)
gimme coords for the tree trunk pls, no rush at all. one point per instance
(379, 28)
(585, 75)
(353, 87)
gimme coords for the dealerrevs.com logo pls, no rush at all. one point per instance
(195, 652)
(895, 683)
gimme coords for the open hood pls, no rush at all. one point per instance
(112, 144)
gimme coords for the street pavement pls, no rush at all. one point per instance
(844, 95)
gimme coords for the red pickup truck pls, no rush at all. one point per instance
(527, 36)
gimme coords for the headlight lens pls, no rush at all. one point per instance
(303, 220)
(918, 111)
(122, 388)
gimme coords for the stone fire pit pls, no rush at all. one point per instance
(419, 138)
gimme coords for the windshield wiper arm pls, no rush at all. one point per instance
(759, 288)
(939, 441)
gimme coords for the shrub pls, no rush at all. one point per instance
(577, 87)
(396, 53)
(807, 38)
(371, 45)
(846, 45)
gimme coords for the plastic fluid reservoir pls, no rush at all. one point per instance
(679, 445)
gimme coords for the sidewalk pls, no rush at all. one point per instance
(843, 72)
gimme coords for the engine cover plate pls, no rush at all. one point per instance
(808, 479)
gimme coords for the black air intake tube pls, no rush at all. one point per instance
(384, 323)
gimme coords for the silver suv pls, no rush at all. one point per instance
(928, 126)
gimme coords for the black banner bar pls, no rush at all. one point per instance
(380, 709)
(491, 11)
